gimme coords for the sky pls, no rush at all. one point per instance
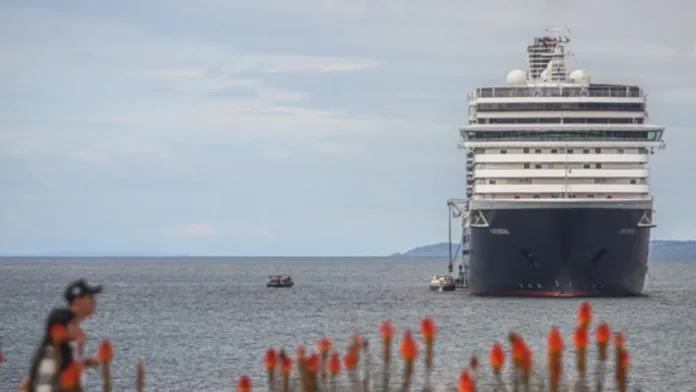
(304, 127)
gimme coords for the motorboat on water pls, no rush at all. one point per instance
(280, 281)
(441, 282)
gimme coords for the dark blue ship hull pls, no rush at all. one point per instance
(562, 251)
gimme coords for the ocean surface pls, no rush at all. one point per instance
(200, 323)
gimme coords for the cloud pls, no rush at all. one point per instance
(209, 230)
(191, 126)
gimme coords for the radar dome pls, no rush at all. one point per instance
(579, 75)
(516, 77)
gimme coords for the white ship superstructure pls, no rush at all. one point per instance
(550, 135)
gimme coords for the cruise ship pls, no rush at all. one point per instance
(557, 182)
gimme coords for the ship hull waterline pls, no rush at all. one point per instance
(559, 252)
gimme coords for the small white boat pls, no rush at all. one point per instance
(441, 282)
(280, 281)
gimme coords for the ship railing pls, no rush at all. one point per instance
(559, 91)
(562, 139)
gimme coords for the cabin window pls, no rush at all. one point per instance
(503, 151)
(570, 151)
(590, 196)
(554, 151)
(598, 150)
(517, 196)
(633, 181)
(537, 151)
(537, 166)
(491, 181)
(526, 165)
(525, 150)
(536, 196)
(585, 151)
(598, 165)
(586, 166)
(609, 197)
(620, 151)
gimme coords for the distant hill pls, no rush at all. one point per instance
(658, 250)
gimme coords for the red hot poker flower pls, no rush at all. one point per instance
(244, 384)
(350, 360)
(270, 359)
(312, 363)
(496, 357)
(334, 364)
(555, 341)
(409, 349)
(465, 382)
(105, 351)
(518, 349)
(584, 314)
(323, 345)
(580, 337)
(386, 331)
(602, 333)
(428, 329)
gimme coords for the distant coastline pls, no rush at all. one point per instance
(658, 250)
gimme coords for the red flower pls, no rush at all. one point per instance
(555, 341)
(105, 351)
(409, 349)
(584, 314)
(580, 337)
(465, 382)
(334, 363)
(427, 329)
(244, 384)
(350, 360)
(386, 331)
(312, 363)
(323, 345)
(602, 333)
(496, 356)
(270, 359)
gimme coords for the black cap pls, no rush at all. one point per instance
(80, 288)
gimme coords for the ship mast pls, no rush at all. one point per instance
(546, 58)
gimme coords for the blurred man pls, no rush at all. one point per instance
(80, 297)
